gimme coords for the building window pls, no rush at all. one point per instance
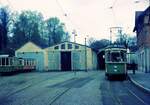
(56, 47)
(76, 47)
(63, 46)
(69, 46)
(146, 19)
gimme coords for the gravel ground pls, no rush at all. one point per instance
(49, 88)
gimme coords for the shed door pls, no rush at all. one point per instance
(76, 60)
(54, 60)
(65, 61)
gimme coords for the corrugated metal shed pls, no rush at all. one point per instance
(30, 50)
(70, 56)
(65, 56)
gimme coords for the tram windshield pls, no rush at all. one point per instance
(116, 56)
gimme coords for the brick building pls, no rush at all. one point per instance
(142, 28)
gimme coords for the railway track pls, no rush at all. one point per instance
(33, 82)
(123, 93)
(58, 96)
(139, 94)
(63, 86)
(74, 83)
(48, 92)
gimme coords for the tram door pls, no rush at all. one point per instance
(66, 61)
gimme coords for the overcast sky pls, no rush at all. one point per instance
(87, 17)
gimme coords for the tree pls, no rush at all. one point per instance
(132, 43)
(4, 21)
(56, 31)
(122, 40)
(99, 44)
(28, 27)
(91, 40)
(127, 41)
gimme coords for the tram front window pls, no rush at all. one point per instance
(115, 57)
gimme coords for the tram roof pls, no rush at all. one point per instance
(115, 47)
(1, 56)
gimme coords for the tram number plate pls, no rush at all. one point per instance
(115, 70)
(115, 67)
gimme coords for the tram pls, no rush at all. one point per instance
(9, 65)
(115, 61)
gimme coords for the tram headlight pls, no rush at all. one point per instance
(115, 70)
(115, 67)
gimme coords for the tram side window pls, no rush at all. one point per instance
(7, 61)
(30, 62)
(11, 61)
(108, 56)
(33, 63)
(123, 56)
(3, 61)
(27, 62)
(20, 62)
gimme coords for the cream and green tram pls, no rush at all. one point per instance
(115, 61)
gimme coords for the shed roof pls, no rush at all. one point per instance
(68, 42)
(32, 47)
(29, 47)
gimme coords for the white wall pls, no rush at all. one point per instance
(144, 59)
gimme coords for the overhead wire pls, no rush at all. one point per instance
(114, 17)
(61, 8)
(114, 31)
(67, 16)
(113, 13)
(114, 3)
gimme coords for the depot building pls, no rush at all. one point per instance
(65, 56)
(31, 50)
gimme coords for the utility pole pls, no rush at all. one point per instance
(149, 10)
(85, 56)
(74, 34)
(75, 38)
(110, 36)
(86, 68)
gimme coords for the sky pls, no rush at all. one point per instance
(89, 18)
